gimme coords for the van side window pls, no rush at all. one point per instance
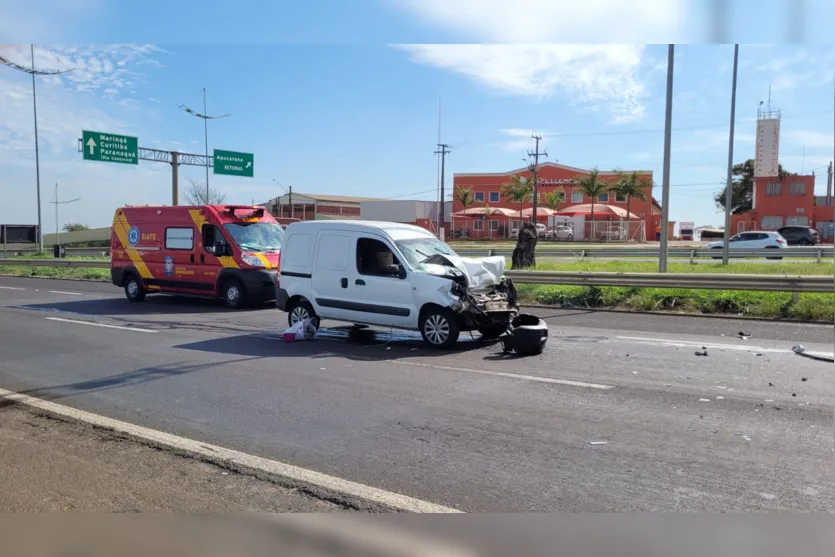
(373, 256)
(179, 238)
(211, 236)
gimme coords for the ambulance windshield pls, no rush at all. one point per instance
(256, 236)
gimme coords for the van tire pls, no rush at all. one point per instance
(300, 310)
(439, 327)
(233, 294)
(134, 291)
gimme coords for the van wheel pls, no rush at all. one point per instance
(439, 327)
(233, 294)
(133, 289)
(301, 310)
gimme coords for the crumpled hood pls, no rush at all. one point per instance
(480, 272)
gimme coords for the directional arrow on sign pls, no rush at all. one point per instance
(92, 145)
(248, 164)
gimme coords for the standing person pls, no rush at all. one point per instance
(658, 232)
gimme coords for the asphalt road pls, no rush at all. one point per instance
(749, 427)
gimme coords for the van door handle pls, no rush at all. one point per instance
(360, 282)
(202, 258)
(344, 283)
(191, 257)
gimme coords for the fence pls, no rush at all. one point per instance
(765, 283)
(818, 253)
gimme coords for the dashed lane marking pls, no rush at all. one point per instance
(226, 456)
(91, 323)
(66, 293)
(695, 344)
(11, 288)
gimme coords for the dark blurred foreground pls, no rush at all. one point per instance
(410, 535)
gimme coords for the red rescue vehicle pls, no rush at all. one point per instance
(225, 251)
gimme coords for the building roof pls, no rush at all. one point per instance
(551, 165)
(301, 197)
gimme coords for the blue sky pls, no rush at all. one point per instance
(342, 97)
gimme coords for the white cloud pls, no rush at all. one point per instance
(600, 77)
(537, 21)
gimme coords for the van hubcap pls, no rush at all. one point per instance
(232, 294)
(133, 288)
(436, 329)
(299, 314)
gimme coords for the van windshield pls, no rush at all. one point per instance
(256, 236)
(418, 250)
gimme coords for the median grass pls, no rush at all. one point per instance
(811, 307)
(57, 272)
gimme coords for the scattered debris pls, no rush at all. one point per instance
(634, 373)
(322, 369)
(721, 387)
(800, 351)
(794, 394)
(598, 442)
(770, 384)
(302, 330)
(744, 436)
(804, 378)
(743, 336)
(704, 400)
(758, 354)
(701, 353)
(720, 398)
(777, 408)
(769, 400)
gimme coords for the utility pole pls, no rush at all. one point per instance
(829, 184)
(665, 184)
(205, 117)
(33, 72)
(443, 150)
(726, 246)
(535, 156)
(57, 225)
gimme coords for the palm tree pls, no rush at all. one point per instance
(553, 199)
(518, 190)
(629, 186)
(593, 186)
(465, 197)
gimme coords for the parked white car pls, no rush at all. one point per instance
(560, 232)
(392, 275)
(541, 230)
(754, 239)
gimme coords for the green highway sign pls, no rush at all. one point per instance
(233, 163)
(108, 147)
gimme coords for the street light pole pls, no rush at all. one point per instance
(726, 246)
(205, 117)
(665, 185)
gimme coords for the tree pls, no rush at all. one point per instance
(553, 199)
(518, 191)
(75, 227)
(196, 194)
(592, 185)
(464, 196)
(742, 192)
(629, 186)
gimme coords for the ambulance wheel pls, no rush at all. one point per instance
(301, 310)
(133, 289)
(233, 294)
(439, 327)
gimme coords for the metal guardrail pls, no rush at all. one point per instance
(706, 281)
(684, 253)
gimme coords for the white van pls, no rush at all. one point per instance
(391, 275)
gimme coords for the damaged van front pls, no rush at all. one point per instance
(473, 290)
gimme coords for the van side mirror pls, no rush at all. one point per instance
(221, 249)
(396, 271)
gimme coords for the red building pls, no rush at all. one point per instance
(487, 190)
(778, 203)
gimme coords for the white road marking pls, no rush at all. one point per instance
(505, 374)
(67, 293)
(11, 288)
(222, 455)
(694, 344)
(134, 329)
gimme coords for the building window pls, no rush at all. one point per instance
(479, 197)
(478, 224)
(494, 197)
(797, 188)
(603, 198)
(516, 225)
(179, 238)
(620, 198)
(775, 188)
(494, 224)
(797, 221)
(576, 197)
(772, 223)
